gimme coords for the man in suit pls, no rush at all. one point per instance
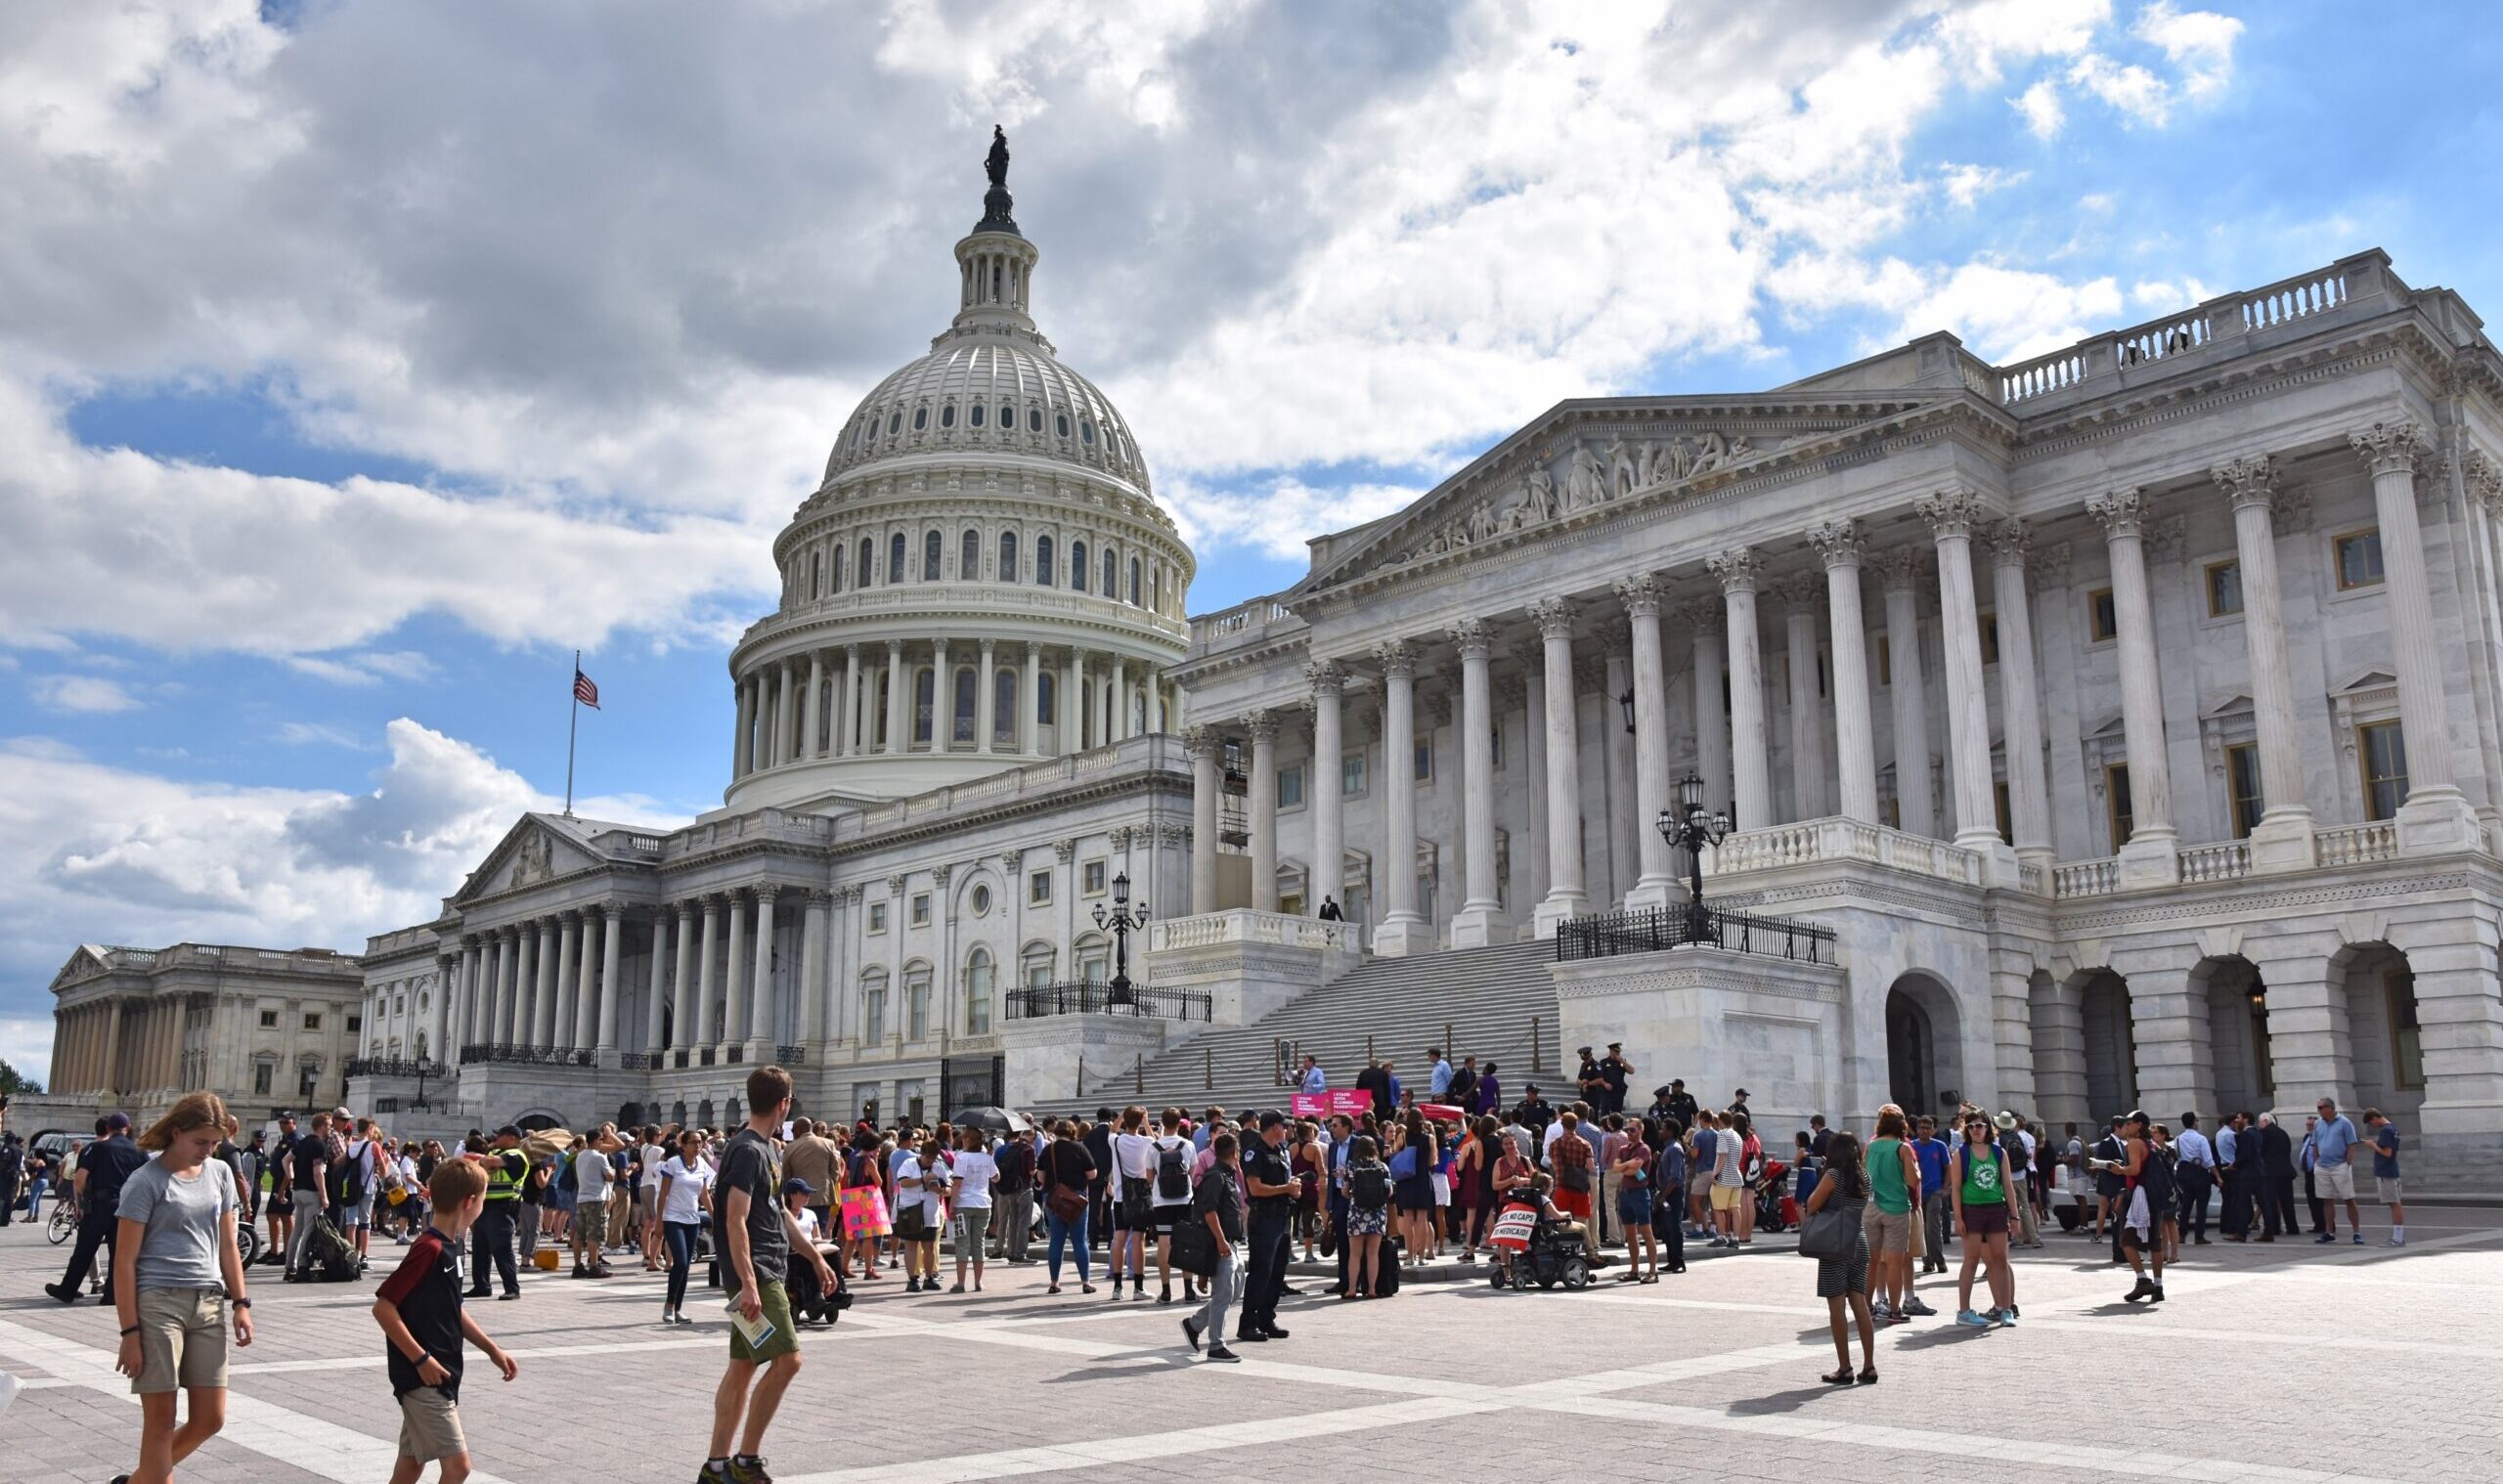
(1375, 1083)
(2277, 1176)
(1099, 1145)
(2250, 1167)
(2234, 1224)
(2109, 1185)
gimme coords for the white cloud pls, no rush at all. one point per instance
(2040, 108)
(1967, 183)
(93, 853)
(1276, 517)
(2007, 313)
(2200, 43)
(2133, 91)
(319, 734)
(25, 1043)
(82, 694)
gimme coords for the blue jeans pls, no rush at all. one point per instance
(682, 1256)
(1071, 1232)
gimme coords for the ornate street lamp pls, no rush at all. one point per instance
(1627, 701)
(1691, 827)
(1121, 922)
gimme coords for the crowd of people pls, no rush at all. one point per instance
(789, 1215)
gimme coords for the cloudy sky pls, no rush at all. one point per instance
(360, 360)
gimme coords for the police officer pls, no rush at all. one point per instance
(491, 1236)
(1271, 1188)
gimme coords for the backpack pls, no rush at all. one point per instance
(2012, 1145)
(1368, 1186)
(2156, 1178)
(348, 1175)
(1173, 1171)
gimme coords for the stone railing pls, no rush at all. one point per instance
(2349, 845)
(2108, 359)
(1015, 780)
(2225, 860)
(1242, 925)
(526, 1055)
(2085, 878)
(1813, 841)
(1242, 622)
(394, 1066)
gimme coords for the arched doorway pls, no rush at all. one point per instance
(538, 1122)
(2111, 1046)
(2383, 1041)
(2237, 1006)
(1925, 1064)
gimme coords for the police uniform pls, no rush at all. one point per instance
(490, 1234)
(1271, 1224)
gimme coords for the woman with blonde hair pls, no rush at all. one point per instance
(177, 1275)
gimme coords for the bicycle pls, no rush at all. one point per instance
(65, 1220)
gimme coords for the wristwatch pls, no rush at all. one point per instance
(240, 1303)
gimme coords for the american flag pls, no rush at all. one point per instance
(585, 691)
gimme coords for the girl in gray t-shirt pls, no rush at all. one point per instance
(177, 1277)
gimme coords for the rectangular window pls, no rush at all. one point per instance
(877, 917)
(2102, 618)
(2242, 785)
(1891, 812)
(2359, 559)
(306, 1077)
(1495, 740)
(873, 1015)
(1885, 662)
(916, 1005)
(1092, 878)
(261, 1080)
(921, 909)
(2224, 588)
(312, 1021)
(1990, 639)
(2406, 1048)
(269, 1019)
(910, 1095)
(2115, 799)
(356, 1023)
(2382, 752)
(1351, 776)
(1291, 787)
(1039, 888)
(1424, 760)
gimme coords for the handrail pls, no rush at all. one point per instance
(1654, 930)
(1034, 1002)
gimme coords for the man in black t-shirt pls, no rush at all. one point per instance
(418, 1308)
(1614, 1069)
(762, 1239)
(102, 1169)
(308, 1171)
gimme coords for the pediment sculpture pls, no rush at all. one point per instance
(1592, 477)
(533, 863)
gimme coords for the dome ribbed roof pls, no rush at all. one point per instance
(988, 392)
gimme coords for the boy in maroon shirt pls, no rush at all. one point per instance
(419, 1311)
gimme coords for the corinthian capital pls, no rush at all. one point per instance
(2010, 540)
(1799, 591)
(1641, 594)
(1953, 511)
(2393, 447)
(1553, 617)
(1326, 677)
(2123, 513)
(1837, 541)
(2246, 481)
(2485, 478)
(1903, 567)
(1474, 639)
(1734, 569)
(1701, 613)
(1395, 657)
(1199, 740)
(1261, 723)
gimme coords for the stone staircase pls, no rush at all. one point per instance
(1488, 997)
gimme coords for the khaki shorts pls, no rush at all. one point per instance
(591, 1222)
(784, 1340)
(2389, 1186)
(2334, 1182)
(182, 1340)
(1728, 1197)
(431, 1427)
(1888, 1230)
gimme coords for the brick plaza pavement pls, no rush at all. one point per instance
(2283, 1362)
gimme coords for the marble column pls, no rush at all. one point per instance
(1705, 628)
(1323, 792)
(1120, 730)
(1262, 724)
(784, 707)
(1201, 743)
(761, 1023)
(509, 971)
(699, 1031)
(1154, 680)
(942, 699)
(1657, 878)
(1074, 710)
(655, 1000)
(1029, 725)
(1798, 594)
(1750, 763)
(1565, 897)
(2020, 700)
(1837, 541)
(1402, 929)
(899, 711)
(2149, 858)
(612, 947)
(1529, 881)
(813, 944)
(543, 999)
(1908, 694)
(735, 990)
(985, 696)
(682, 971)
(578, 1031)
(743, 734)
(812, 712)
(2436, 815)
(1476, 922)
(2282, 838)
(1952, 516)
(571, 961)
(455, 1019)
(847, 737)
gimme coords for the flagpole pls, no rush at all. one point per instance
(573, 724)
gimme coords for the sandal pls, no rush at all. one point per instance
(1841, 1378)
(1085, 1287)
(1868, 1378)
(1054, 1288)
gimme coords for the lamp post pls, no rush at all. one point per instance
(1121, 921)
(1689, 826)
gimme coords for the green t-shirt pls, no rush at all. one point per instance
(1981, 1175)
(1886, 1177)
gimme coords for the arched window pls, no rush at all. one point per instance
(1078, 566)
(1008, 556)
(922, 701)
(1004, 706)
(931, 546)
(1086, 433)
(1007, 418)
(978, 992)
(873, 1006)
(894, 421)
(1134, 582)
(1060, 424)
(1043, 560)
(947, 415)
(866, 571)
(960, 727)
(817, 573)
(1046, 699)
(920, 419)
(968, 557)
(1112, 587)
(976, 411)
(834, 569)
(1034, 966)
(894, 557)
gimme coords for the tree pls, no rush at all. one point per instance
(12, 1083)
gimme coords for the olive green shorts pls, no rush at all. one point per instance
(775, 1302)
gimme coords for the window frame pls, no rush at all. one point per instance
(2241, 759)
(1093, 877)
(2097, 601)
(2208, 574)
(2338, 545)
(2366, 734)
(1039, 888)
(2120, 822)
(1359, 762)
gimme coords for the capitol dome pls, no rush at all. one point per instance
(980, 581)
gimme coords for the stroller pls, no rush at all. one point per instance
(1541, 1251)
(1776, 1207)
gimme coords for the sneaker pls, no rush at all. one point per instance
(1274, 1333)
(1971, 1320)
(1191, 1330)
(2359, 1238)
(1220, 1353)
(714, 1473)
(1914, 1308)
(748, 1469)
(2395, 1242)
(2326, 1237)
(1881, 1310)
(2157, 1295)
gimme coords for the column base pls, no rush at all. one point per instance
(1652, 893)
(1477, 927)
(2151, 858)
(607, 1059)
(1999, 857)
(1558, 907)
(2282, 841)
(2435, 821)
(1403, 934)
(759, 1053)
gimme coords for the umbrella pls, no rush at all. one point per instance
(998, 1120)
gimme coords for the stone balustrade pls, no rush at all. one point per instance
(2358, 844)
(2225, 860)
(1815, 842)
(1239, 925)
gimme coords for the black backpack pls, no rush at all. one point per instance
(2156, 1178)
(1368, 1186)
(1174, 1170)
(347, 1177)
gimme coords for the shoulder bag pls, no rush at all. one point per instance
(1828, 1232)
(1066, 1201)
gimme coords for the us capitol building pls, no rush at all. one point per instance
(2119, 727)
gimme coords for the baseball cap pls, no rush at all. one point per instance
(1271, 1118)
(795, 1185)
(341, 1111)
(287, 1115)
(508, 1131)
(116, 1120)
(1677, 1081)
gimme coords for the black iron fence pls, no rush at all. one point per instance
(1033, 1002)
(527, 1055)
(394, 1066)
(1608, 935)
(640, 1061)
(791, 1054)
